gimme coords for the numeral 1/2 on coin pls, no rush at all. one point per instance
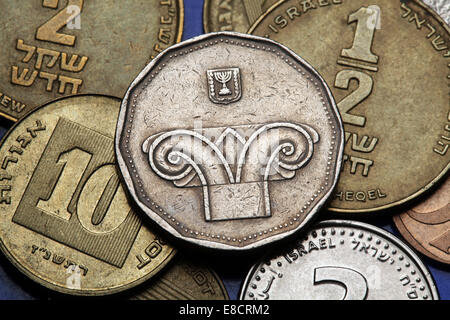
(366, 19)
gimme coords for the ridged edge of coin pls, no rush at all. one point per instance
(349, 223)
(163, 223)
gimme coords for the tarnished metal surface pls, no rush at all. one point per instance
(341, 260)
(442, 7)
(53, 48)
(66, 222)
(389, 73)
(184, 279)
(229, 141)
(426, 226)
(237, 15)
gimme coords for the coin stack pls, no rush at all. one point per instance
(282, 134)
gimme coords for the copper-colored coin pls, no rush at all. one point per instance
(388, 65)
(427, 225)
(229, 15)
(184, 280)
(65, 220)
(53, 48)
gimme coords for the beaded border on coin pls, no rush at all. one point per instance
(123, 133)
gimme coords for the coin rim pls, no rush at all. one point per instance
(92, 292)
(423, 189)
(408, 236)
(365, 227)
(206, 7)
(178, 36)
(126, 175)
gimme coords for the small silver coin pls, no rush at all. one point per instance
(346, 260)
(229, 141)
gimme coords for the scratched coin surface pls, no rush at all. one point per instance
(426, 226)
(442, 7)
(229, 141)
(65, 220)
(184, 280)
(55, 48)
(342, 260)
(233, 15)
(389, 73)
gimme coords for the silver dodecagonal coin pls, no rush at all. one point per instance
(229, 141)
(346, 260)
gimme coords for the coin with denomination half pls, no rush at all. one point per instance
(229, 141)
(237, 15)
(183, 279)
(426, 226)
(66, 222)
(341, 260)
(55, 48)
(390, 74)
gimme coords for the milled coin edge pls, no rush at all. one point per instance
(163, 223)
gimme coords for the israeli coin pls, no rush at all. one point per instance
(237, 15)
(426, 226)
(54, 48)
(229, 141)
(342, 260)
(442, 8)
(390, 74)
(184, 280)
(66, 222)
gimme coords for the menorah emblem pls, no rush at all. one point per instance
(223, 77)
(224, 85)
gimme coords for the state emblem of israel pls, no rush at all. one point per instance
(224, 85)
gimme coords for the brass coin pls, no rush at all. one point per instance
(388, 65)
(427, 225)
(53, 48)
(65, 221)
(233, 15)
(184, 280)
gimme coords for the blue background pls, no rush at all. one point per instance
(232, 270)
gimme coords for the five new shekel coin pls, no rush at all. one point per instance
(229, 141)
(41, 57)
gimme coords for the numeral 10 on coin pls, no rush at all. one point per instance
(74, 196)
